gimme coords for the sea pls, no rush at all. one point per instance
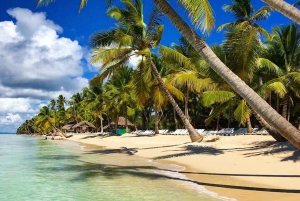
(34, 169)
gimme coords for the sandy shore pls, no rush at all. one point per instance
(248, 168)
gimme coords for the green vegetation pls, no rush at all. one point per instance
(183, 75)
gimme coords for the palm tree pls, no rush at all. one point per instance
(52, 106)
(44, 121)
(75, 102)
(245, 16)
(113, 48)
(282, 59)
(156, 94)
(198, 12)
(242, 45)
(253, 99)
(119, 91)
(185, 63)
(285, 8)
(95, 101)
(61, 113)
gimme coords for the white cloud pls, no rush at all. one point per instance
(28, 23)
(16, 105)
(11, 119)
(36, 64)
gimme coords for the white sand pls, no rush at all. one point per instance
(250, 167)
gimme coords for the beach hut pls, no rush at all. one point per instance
(121, 125)
(68, 127)
(84, 127)
(121, 122)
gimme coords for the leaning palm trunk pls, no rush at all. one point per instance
(273, 132)
(175, 119)
(194, 135)
(253, 99)
(285, 8)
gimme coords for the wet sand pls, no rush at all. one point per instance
(248, 168)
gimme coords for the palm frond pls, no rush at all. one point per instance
(154, 20)
(211, 97)
(172, 56)
(296, 4)
(173, 90)
(156, 38)
(229, 25)
(242, 112)
(103, 38)
(262, 14)
(200, 13)
(159, 97)
(268, 65)
(82, 4)
(190, 80)
(275, 85)
(217, 112)
(108, 56)
(43, 2)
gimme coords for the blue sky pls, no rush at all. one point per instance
(44, 51)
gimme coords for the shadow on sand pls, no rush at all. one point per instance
(86, 170)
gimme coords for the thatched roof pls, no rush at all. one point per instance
(121, 122)
(84, 123)
(67, 127)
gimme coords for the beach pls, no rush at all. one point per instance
(246, 167)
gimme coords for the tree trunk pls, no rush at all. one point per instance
(285, 105)
(218, 122)
(195, 110)
(175, 119)
(289, 113)
(273, 132)
(249, 126)
(101, 122)
(75, 114)
(229, 117)
(253, 99)
(126, 123)
(285, 8)
(156, 122)
(146, 118)
(186, 104)
(194, 135)
(277, 103)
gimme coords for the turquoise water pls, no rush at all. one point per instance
(36, 169)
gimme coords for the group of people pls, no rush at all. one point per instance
(52, 135)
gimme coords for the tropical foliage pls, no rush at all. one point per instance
(267, 62)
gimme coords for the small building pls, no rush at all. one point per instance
(121, 122)
(120, 127)
(68, 127)
(81, 127)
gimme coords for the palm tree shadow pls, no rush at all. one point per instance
(123, 150)
(275, 148)
(192, 150)
(87, 170)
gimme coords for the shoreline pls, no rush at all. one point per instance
(242, 167)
